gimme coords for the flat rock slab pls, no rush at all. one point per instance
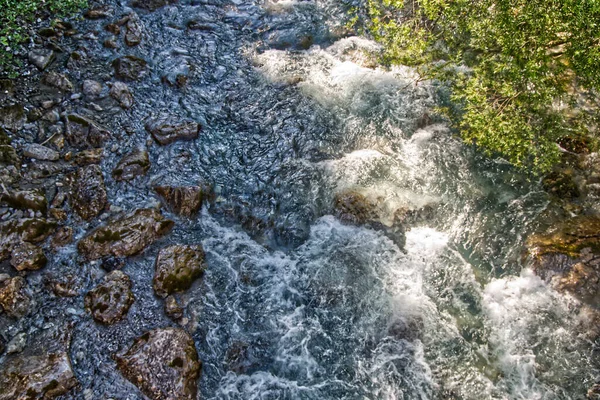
(134, 164)
(40, 152)
(110, 300)
(163, 364)
(177, 267)
(125, 236)
(167, 129)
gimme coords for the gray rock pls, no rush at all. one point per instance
(40, 152)
(17, 343)
(12, 117)
(84, 133)
(130, 68)
(41, 58)
(88, 193)
(120, 92)
(133, 32)
(131, 165)
(26, 200)
(176, 269)
(99, 12)
(110, 300)
(58, 81)
(167, 129)
(163, 364)
(91, 88)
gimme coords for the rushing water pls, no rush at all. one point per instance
(326, 310)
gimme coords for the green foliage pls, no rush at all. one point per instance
(517, 68)
(16, 18)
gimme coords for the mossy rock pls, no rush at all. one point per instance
(176, 269)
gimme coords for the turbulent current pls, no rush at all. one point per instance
(294, 110)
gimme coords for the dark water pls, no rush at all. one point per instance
(326, 310)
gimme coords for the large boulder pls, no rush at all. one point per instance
(176, 268)
(42, 371)
(184, 200)
(131, 165)
(151, 5)
(568, 255)
(13, 297)
(167, 129)
(82, 132)
(130, 68)
(163, 364)
(58, 81)
(125, 236)
(110, 300)
(88, 193)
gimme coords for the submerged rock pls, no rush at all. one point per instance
(125, 236)
(353, 207)
(151, 5)
(131, 165)
(12, 117)
(120, 92)
(163, 364)
(237, 357)
(28, 257)
(133, 32)
(130, 68)
(110, 300)
(173, 309)
(13, 298)
(184, 200)
(84, 133)
(40, 152)
(58, 81)
(42, 371)
(167, 129)
(26, 200)
(41, 58)
(88, 193)
(176, 268)
(62, 237)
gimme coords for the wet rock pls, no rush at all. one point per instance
(8, 155)
(39, 152)
(131, 165)
(86, 157)
(163, 364)
(91, 88)
(109, 301)
(125, 236)
(568, 255)
(353, 207)
(63, 286)
(15, 231)
(176, 268)
(561, 184)
(184, 200)
(167, 129)
(62, 237)
(110, 43)
(133, 32)
(17, 343)
(115, 29)
(42, 371)
(28, 257)
(41, 58)
(414, 216)
(13, 298)
(84, 133)
(130, 68)
(99, 12)
(58, 81)
(12, 117)
(110, 264)
(88, 193)
(172, 308)
(237, 357)
(594, 392)
(120, 92)
(26, 200)
(151, 5)
(177, 72)
(7, 88)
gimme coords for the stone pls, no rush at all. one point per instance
(90, 156)
(42, 371)
(120, 92)
(133, 32)
(100, 12)
(184, 200)
(130, 68)
(237, 357)
(163, 364)
(12, 117)
(594, 392)
(62, 237)
(41, 58)
(125, 236)
(131, 165)
(172, 308)
(91, 89)
(110, 300)
(13, 297)
(176, 269)
(353, 207)
(17, 343)
(561, 184)
(84, 133)
(26, 200)
(88, 194)
(15, 231)
(58, 81)
(7, 89)
(151, 5)
(39, 152)
(8, 156)
(28, 257)
(167, 129)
